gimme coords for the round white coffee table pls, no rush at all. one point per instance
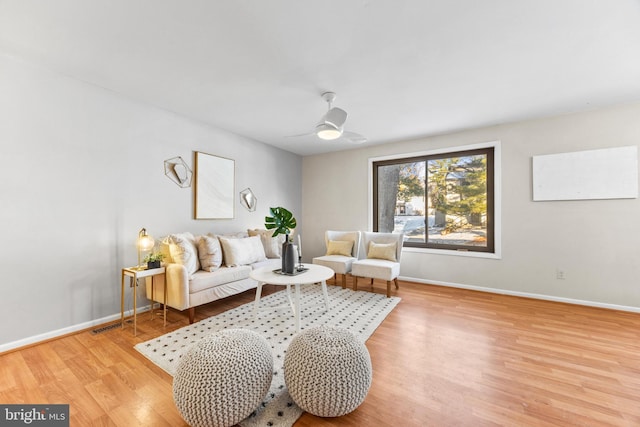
(313, 274)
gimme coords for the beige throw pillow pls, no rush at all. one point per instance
(209, 253)
(339, 247)
(272, 245)
(183, 251)
(242, 251)
(382, 251)
(165, 250)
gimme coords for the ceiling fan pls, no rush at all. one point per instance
(331, 125)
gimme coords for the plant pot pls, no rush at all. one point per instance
(153, 264)
(288, 257)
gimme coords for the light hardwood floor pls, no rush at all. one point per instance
(443, 357)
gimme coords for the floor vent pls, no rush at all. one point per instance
(105, 328)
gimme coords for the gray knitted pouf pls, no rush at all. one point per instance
(327, 371)
(223, 378)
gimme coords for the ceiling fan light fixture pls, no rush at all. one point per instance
(327, 132)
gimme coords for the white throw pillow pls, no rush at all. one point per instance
(209, 253)
(242, 251)
(183, 251)
(272, 245)
(236, 235)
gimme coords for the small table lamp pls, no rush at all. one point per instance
(145, 243)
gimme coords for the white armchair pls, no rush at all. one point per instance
(383, 251)
(343, 248)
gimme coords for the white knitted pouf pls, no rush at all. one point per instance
(327, 371)
(223, 378)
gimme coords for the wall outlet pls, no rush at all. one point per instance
(560, 274)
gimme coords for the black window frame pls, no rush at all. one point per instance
(489, 151)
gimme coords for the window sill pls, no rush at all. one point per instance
(486, 255)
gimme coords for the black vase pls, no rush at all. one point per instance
(288, 257)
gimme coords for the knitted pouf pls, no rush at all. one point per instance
(223, 378)
(327, 371)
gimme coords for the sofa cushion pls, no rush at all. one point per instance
(242, 251)
(164, 249)
(237, 235)
(273, 263)
(209, 253)
(272, 245)
(203, 279)
(182, 247)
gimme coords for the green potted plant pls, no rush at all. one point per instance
(282, 221)
(153, 259)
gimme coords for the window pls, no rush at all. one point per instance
(442, 200)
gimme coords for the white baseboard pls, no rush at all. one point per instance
(524, 294)
(68, 330)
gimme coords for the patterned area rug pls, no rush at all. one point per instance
(359, 312)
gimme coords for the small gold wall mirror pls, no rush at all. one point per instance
(177, 171)
(248, 199)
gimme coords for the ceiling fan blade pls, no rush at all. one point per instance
(300, 134)
(353, 138)
(335, 117)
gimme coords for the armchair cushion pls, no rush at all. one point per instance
(376, 269)
(339, 247)
(382, 251)
(338, 263)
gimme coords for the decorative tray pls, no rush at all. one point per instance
(295, 272)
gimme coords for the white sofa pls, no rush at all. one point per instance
(202, 269)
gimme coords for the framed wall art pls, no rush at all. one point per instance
(214, 187)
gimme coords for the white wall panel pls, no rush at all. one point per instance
(609, 173)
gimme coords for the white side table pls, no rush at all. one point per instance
(136, 273)
(314, 274)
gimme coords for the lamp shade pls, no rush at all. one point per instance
(145, 243)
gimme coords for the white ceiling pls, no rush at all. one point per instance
(402, 69)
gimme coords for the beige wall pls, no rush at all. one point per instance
(595, 242)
